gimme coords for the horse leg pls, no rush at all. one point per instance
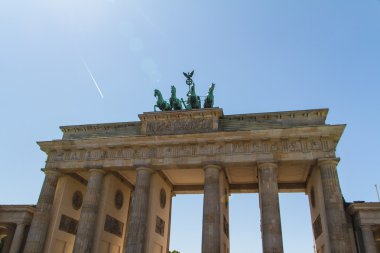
(184, 105)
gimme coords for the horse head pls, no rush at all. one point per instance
(157, 93)
(211, 88)
(173, 90)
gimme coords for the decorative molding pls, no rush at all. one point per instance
(313, 116)
(68, 224)
(263, 120)
(178, 126)
(160, 226)
(97, 127)
(113, 226)
(191, 150)
(180, 122)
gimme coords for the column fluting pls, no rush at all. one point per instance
(335, 215)
(211, 210)
(84, 239)
(41, 219)
(17, 238)
(269, 208)
(138, 218)
(368, 239)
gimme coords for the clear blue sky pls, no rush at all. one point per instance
(263, 56)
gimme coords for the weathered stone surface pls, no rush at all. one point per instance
(368, 239)
(180, 122)
(366, 218)
(335, 215)
(84, 239)
(177, 145)
(37, 234)
(211, 230)
(240, 122)
(270, 208)
(138, 218)
(17, 239)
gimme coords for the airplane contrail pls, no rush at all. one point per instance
(92, 77)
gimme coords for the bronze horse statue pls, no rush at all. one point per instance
(209, 100)
(175, 103)
(161, 103)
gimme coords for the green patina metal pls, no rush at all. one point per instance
(193, 101)
(161, 103)
(209, 101)
(175, 103)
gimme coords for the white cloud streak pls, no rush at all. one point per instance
(92, 77)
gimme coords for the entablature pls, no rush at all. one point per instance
(193, 149)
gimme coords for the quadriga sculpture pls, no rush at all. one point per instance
(193, 101)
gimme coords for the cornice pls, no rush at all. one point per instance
(297, 114)
(18, 208)
(197, 121)
(363, 207)
(97, 127)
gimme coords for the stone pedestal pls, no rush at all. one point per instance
(84, 239)
(368, 239)
(138, 218)
(269, 208)
(211, 210)
(17, 238)
(335, 215)
(37, 234)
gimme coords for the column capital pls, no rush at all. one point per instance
(266, 164)
(144, 169)
(212, 166)
(365, 227)
(328, 161)
(53, 172)
(101, 171)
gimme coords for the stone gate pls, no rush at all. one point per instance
(109, 187)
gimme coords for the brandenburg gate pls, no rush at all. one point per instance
(109, 187)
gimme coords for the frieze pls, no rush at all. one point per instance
(191, 150)
(176, 126)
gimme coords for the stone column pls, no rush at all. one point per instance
(170, 221)
(8, 239)
(84, 239)
(18, 238)
(269, 208)
(138, 219)
(211, 210)
(368, 239)
(35, 242)
(337, 226)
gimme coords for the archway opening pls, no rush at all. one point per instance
(244, 220)
(245, 234)
(297, 234)
(186, 223)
